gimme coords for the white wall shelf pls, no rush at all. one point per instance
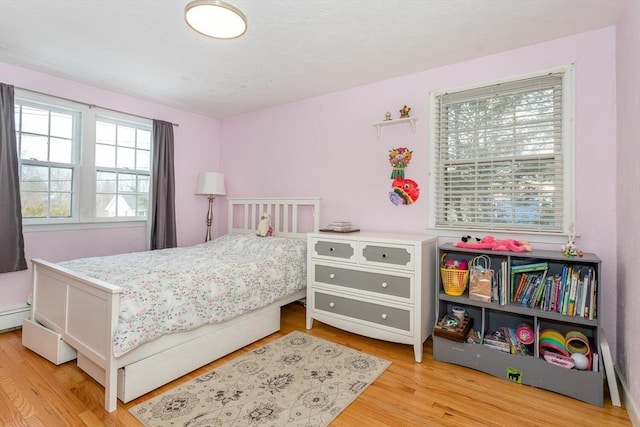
(410, 120)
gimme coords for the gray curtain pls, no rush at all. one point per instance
(163, 217)
(12, 246)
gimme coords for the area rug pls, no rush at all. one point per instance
(297, 380)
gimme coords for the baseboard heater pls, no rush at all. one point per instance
(12, 318)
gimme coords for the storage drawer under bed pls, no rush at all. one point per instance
(46, 343)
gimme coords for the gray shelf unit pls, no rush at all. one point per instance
(587, 386)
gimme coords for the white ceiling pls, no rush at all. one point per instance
(293, 49)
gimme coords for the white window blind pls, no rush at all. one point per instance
(499, 162)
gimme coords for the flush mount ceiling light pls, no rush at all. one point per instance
(215, 19)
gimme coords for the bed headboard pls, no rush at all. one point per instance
(290, 217)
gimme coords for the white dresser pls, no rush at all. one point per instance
(380, 285)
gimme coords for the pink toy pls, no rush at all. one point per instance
(490, 242)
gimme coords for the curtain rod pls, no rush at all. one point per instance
(89, 105)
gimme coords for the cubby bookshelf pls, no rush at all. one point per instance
(532, 369)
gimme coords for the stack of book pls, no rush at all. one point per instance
(497, 340)
(339, 226)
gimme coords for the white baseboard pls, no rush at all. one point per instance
(629, 404)
(11, 318)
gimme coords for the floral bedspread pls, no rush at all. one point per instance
(175, 290)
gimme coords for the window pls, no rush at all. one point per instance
(123, 158)
(47, 142)
(501, 157)
(81, 164)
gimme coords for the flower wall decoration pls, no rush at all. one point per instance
(399, 159)
(403, 191)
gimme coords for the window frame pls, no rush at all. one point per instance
(123, 120)
(568, 161)
(85, 171)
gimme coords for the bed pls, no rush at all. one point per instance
(77, 316)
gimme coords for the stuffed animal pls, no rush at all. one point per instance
(490, 242)
(264, 229)
(404, 112)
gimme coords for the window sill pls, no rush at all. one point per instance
(553, 239)
(90, 225)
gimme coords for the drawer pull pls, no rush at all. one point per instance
(332, 249)
(384, 255)
(384, 316)
(332, 304)
(332, 276)
(384, 284)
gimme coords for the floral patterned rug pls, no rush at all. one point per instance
(297, 380)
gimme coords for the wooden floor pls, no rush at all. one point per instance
(34, 392)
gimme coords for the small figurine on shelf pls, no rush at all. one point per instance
(569, 248)
(387, 116)
(404, 112)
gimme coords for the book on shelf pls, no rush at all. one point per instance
(496, 347)
(536, 266)
(550, 287)
(589, 295)
(528, 286)
(593, 294)
(522, 283)
(526, 268)
(496, 339)
(502, 284)
(571, 291)
(516, 347)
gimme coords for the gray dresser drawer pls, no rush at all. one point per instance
(384, 284)
(345, 251)
(376, 313)
(392, 256)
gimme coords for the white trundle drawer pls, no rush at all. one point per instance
(46, 343)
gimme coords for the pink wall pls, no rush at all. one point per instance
(196, 149)
(628, 202)
(326, 146)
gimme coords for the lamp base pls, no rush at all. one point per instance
(209, 219)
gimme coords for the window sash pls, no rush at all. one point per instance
(42, 197)
(122, 186)
(499, 157)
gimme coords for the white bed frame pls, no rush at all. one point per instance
(74, 316)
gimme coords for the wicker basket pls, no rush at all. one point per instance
(454, 281)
